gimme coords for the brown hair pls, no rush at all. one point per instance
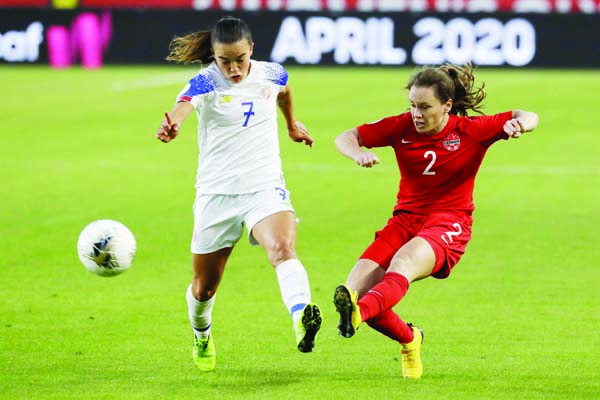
(197, 47)
(452, 82)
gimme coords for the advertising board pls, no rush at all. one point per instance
(62, 38)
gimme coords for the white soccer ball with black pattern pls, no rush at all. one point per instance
(106, 247)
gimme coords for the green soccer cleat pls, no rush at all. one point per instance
(345, 302)
(204, 354)
(412, 366)
(307, 327)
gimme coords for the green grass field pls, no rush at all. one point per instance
(518, 318)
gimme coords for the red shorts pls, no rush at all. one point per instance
(447, 233)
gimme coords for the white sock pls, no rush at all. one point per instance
(294, 286)
(200, 314)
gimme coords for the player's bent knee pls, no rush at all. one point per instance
(280, 251)
(203, 292)
(409, 268)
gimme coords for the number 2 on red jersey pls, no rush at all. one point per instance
(430, 153)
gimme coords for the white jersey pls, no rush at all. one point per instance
(237, 128)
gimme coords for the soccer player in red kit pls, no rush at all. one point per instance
(439, 149)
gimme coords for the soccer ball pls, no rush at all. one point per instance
(106, 247)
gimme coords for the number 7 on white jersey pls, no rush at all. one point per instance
(248, 113)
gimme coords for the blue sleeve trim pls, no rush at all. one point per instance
(276, 73)
(200, 84)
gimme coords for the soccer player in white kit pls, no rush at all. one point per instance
(239, 180)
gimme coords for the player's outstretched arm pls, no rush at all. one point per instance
(349, 144)
(296, 130)
(169, 127)
(522, 121)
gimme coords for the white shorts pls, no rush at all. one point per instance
(219, 219)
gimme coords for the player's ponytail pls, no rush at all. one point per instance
(466, 95)
(192, 48)
(197, 47)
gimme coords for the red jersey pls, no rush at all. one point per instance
(437, 173)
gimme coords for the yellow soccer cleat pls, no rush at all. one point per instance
(412, 366)
(307, 328)
(345, 302)
(204, 354)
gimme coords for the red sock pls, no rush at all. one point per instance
(389, 324)
(383, 296)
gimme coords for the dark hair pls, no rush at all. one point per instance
(197, 47)
(452, 82)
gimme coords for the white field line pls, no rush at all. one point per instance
(345, 168)
(504, 170)
(179, 77)
(516, 170)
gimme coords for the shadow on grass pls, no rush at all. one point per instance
(251, 381)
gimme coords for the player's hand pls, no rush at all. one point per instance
(299, 133)
(367, 159)
(168, 130)
(514, 128)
